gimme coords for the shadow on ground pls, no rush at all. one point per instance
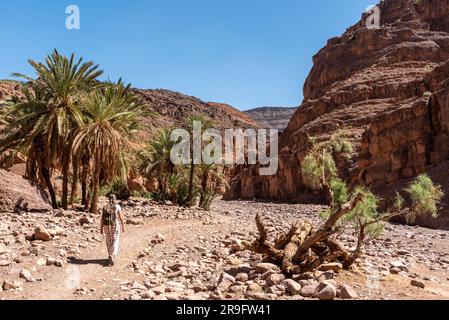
(78, 261)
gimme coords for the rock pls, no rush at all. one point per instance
(4, 263)
(3, 249)
(397, 264)
(242, 277)
(395, 270)
(275, 279)
(25, 274)
(135, 221)
(85, 220)
(334, 266)
(40, 233)
(137, 286)
(417, 283)
(265, 267)
(148, 294)
(41, 262)
(18, 194)
(325, 291)
(8, 285)
(225, 282)
(308, 291)
(51, 261)
(254, 287)
(291, 286)
(257, 296)
(159, 290)
(59, 263)
(347, 292)
(326, 275)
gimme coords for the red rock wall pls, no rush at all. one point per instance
(389, 86)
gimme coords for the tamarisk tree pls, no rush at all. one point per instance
(351, 210)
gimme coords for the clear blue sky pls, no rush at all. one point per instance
(247, 53)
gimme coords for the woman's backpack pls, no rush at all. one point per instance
(109, 213)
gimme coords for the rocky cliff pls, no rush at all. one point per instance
(272, 117)
(388, 86)
(172, 108)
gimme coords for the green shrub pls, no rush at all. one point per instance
(425, 197)
(119, 188)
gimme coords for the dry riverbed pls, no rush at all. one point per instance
(175, 253)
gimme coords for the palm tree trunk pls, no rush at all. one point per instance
(192, 175)
(84, 174)
(96, 187)
(204, 184)
(65, 182)
(51, 190)
(74, 190)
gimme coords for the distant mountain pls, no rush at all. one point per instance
(272, 117)
(173, 108)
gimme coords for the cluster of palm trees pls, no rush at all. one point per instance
(72, 123)
(181, 184)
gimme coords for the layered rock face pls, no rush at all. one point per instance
(272, 117)
(389, 87)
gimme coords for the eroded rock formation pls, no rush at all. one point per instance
(388, 86)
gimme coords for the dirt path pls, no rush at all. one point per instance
(90, 270)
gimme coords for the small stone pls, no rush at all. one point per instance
(347, 292)
(3, 249)
(334, 266)
(25, 274)
(308, 291)
(8, 285)
(242, 277)
(326, 291)
(59, 263)
(395, 270)
(148, 294)
(265, 267)
(275, 279)
(417, 283)
(40, 233)
(51, 261)
(85, 220)
(291, 286)
(225, 282)
(41, 262)
(4, 263)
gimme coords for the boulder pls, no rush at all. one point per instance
(326, 291)
(19, 194)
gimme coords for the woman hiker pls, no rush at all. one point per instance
(112, 226)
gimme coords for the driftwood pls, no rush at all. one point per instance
(302, 249)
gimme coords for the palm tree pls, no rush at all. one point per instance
(155, 160)
(27, 132)
(190, 123)
(109, 120)
(57, 89)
